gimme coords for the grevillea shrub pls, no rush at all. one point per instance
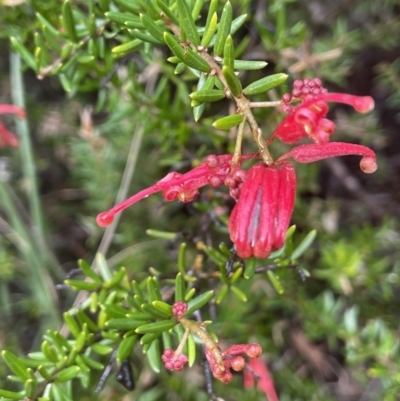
(235, 135)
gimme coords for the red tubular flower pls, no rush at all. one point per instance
(183, 187)
(7, 138)
(264, 381)
(261, 217)
(314, 152)
(308, 119)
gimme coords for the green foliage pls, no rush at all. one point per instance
(148, 68)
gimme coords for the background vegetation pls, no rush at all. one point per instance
(104, 123)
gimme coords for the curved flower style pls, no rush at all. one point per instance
(261, 216)
(7, 138)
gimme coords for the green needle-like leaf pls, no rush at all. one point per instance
(67, 374)
(199, 302)
(187, 22)
(207, 95)
(167, 11)
(232, 80)
(179, 287)
(210, 30)
(15, 364)
(276, 283)
(156, 327)
(229, 52)
(304, 245)
(154, 356)
(228, 122)
(248, 65)
(68, 21)
(125, 347)
(12, 395)
(223, 29)
(265, 84)
(239, 293)
(24, 52)
(124, 323)
(152, 28)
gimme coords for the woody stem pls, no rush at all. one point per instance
(182, 344)
(210, 344)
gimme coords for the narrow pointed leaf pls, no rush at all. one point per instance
(210, 30)
(156, 327)
(228, 122)
(190, 294)
(179, 68)
(265, 84)
(124, 324)
(12, 395)
(223, 29)
(150, 337)
(128, 5)
(179, 287)
(68, 21)
(181, 258)
(199, 302)
(276, 283)
(304, 245)
(208, 95)
(15, 364)
(92, 363)
(101, 349)
(167, 11)
(198, 5)
(248, 65)
(222, 293)
(67, 374)
(30, 388)
(229, 52)
(156, 313)
(154, 356)
(72, 324)
(24, 52)
(125, 348)
(79, 285)
(232, 80)
(187, 22)
(163, 307)
(239, 293)
(144, 37)
(152, 28)
(191, 350)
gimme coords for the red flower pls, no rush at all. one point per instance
(308, 119)
(232, 359)
(261, 217)
(257, 369)
(265, 194)
(183, 187)
(7, 138)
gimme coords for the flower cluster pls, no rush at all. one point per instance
(7, 138)
(265, 194)
(172, 361)
(179, 308)
(232, 358)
